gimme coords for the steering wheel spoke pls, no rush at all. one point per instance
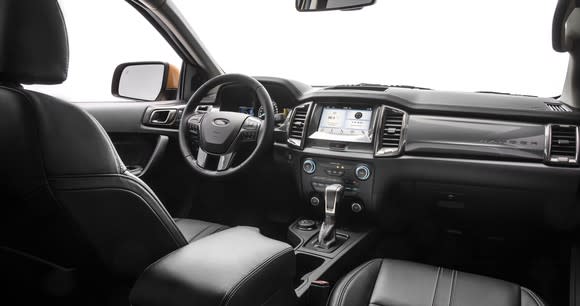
(201, 158)
(225, 161)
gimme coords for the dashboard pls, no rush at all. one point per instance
(400, 148)
(396, 147)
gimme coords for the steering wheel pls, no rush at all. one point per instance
(218, 136)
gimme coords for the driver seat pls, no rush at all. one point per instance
(68, 201)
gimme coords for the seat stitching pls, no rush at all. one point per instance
(533, 296)
(435, 286)
(135, 194)
(375, 282)
(199, 233)
(453, 276)
(343, 290)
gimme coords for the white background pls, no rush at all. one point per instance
(464, 45)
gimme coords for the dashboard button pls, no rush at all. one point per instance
(362, 172)
(334, 172)
(356, 207)
(309, 166)
(314, 201)
(306, 225)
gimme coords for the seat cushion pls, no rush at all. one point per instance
(386, 282)
(196, 229)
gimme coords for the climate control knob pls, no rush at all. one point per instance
(309, 166)
(362, 172)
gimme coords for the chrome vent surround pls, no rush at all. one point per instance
(557, 107)
(562, 144)
(298, 125)
(391, 132)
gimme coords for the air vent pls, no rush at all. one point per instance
(392, 132)
(562, 144)
(556, 107)
(297, 129)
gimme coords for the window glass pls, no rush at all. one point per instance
(492, 45)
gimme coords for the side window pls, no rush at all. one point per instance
(102, 35)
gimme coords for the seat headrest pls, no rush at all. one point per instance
(33, 42)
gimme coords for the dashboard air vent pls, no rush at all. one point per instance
(391, 132)
(562, 144)
(556, 107)
(297, 129)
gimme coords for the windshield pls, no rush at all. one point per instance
(493, 45)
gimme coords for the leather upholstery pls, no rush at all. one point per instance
(34, 45)
(197, 229)
(67, 197)
(63, 166)
(237, 266)
(386, 282)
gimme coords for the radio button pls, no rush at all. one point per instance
(309, 166)
(362, 172)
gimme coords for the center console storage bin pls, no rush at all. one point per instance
(237, 266)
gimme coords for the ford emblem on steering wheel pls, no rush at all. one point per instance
(221, 122)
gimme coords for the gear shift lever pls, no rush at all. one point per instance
(332, 196)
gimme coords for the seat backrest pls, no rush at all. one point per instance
(65, 192)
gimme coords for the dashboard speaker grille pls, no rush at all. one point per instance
(563, 144)
(391, 132)
(298, 125)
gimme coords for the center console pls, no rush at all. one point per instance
(332, 146)
(337, 142)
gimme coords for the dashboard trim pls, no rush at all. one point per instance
(389, 152)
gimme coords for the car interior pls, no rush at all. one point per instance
(209, 188)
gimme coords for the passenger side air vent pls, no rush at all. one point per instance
(391, 135)
(556, 107)
(297, 129)
(562, 144)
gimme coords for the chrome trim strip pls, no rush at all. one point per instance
(299, 143)
(548, 150)
(386, 152)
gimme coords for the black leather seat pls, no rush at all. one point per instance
(386, 282)
(65, 193)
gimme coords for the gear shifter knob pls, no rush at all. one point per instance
(332, 196)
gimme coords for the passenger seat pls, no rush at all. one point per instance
(387, 282)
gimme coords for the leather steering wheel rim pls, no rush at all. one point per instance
(264, 132)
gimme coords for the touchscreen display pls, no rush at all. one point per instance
(345, 124)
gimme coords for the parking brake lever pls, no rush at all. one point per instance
(327, 235)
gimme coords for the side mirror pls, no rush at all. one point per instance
(147, 81)
(329, 5)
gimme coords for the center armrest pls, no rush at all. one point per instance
(237, 266)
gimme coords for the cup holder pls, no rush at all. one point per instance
(304, 265)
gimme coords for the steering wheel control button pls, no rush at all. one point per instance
(306, 225)
(314, 201)
(356, 207)
(249, 135)
(362, 172)
(309, 166)
(251, 124)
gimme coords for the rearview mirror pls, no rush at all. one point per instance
(328, 5)
(148, 81)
